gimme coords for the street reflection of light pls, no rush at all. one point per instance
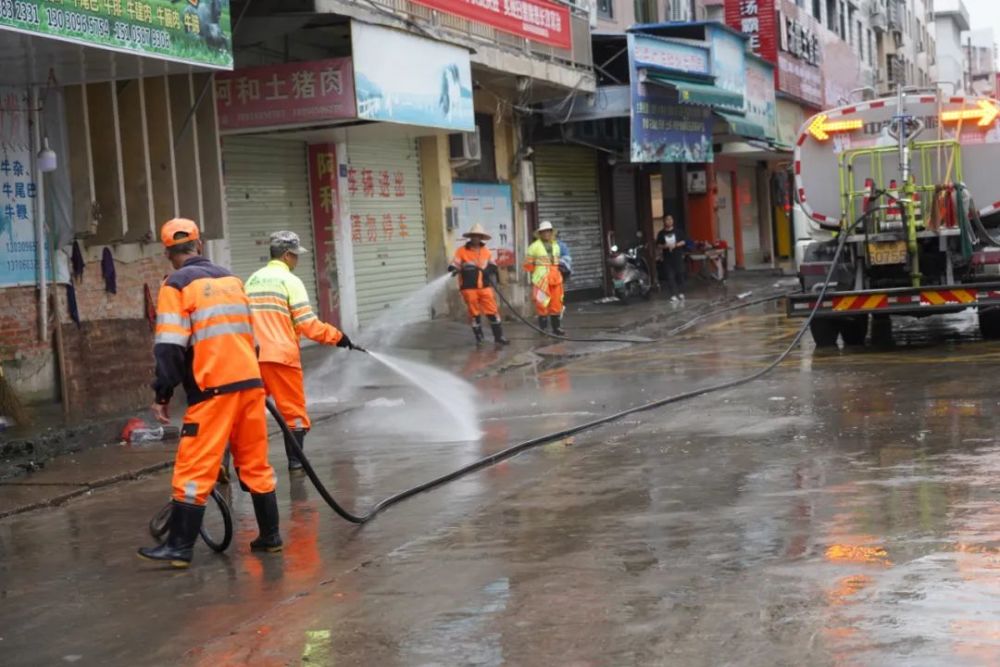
(847, 587)
(856, 553)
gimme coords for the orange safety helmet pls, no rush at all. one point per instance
(171, 228)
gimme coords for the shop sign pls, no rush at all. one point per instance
(18, 192)
(196, 32)
(662, 129)
(324, 193)
(431, 86)
(658, 53)
(799, 74)
(535, 20)
(491, 205)
(287, 95)
(756, 20)
(761, 101)
(728, 53)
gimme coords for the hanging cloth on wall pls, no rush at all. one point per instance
(74, 310)
(108, 272)
(77, 261)
(150, 305)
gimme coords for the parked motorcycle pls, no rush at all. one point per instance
(630, 273)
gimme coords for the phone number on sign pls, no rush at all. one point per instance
(25, 12)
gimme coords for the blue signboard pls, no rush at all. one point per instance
(662, 129)
(18, 192)
(729, 63)
(663, 54)
(491, 205)
(431, 85)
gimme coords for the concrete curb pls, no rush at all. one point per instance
(79, 490)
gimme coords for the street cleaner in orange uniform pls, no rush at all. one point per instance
(477, 276)
(282, 315)
(204, 341)
(542, 262)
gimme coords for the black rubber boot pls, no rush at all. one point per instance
(543, 322)
(184, 522)
(294, 464)
(557, 325)
(498, 336)
(477, 330)
(265, 507)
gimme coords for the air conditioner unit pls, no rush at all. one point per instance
(464, 148)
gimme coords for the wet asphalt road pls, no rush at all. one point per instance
(842, 511)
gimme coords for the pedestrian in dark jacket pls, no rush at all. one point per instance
(671, 243)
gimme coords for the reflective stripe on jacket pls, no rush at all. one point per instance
(542, 262)
(472, 265)
(282, 315)
(204, 335)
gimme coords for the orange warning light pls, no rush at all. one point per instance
(821, 130)
(986, 114)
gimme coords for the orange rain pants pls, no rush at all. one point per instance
(555, 304)
(285, 385)
(236, 418)
(481, 302)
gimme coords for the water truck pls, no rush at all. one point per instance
(913, 181)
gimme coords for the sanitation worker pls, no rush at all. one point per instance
(547, 282)
(204, 340)
(281, 315)
(477, 276)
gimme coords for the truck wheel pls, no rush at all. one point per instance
(989, 323)
(824, 331)
(854, 330)
(882, 331)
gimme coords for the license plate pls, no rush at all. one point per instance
(887, 252)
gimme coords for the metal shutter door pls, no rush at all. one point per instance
(749, 215)
(387, 266)
(267, 189)
(566, 190)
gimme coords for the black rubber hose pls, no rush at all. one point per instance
(566, 339)
(541, 440)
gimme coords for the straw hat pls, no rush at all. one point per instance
(477, 230)
(545, 226)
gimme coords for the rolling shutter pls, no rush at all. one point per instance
(387, 223)
(566, 191)
(267, 189)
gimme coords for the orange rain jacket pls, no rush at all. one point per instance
(204, 337)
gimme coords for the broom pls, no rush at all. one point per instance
(10, 404)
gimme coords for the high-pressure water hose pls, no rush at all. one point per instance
(573, 430)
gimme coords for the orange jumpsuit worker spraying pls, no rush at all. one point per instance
(281, 314)
(542, 263)
(477, 275)
(204, 340)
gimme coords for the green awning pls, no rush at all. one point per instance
(740, 126)
(704, 94)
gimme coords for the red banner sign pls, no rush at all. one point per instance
(536, 20)
(287, 95)
(323, 188)
(756, 19)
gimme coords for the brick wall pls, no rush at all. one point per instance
(109, 365)
(110, 324)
